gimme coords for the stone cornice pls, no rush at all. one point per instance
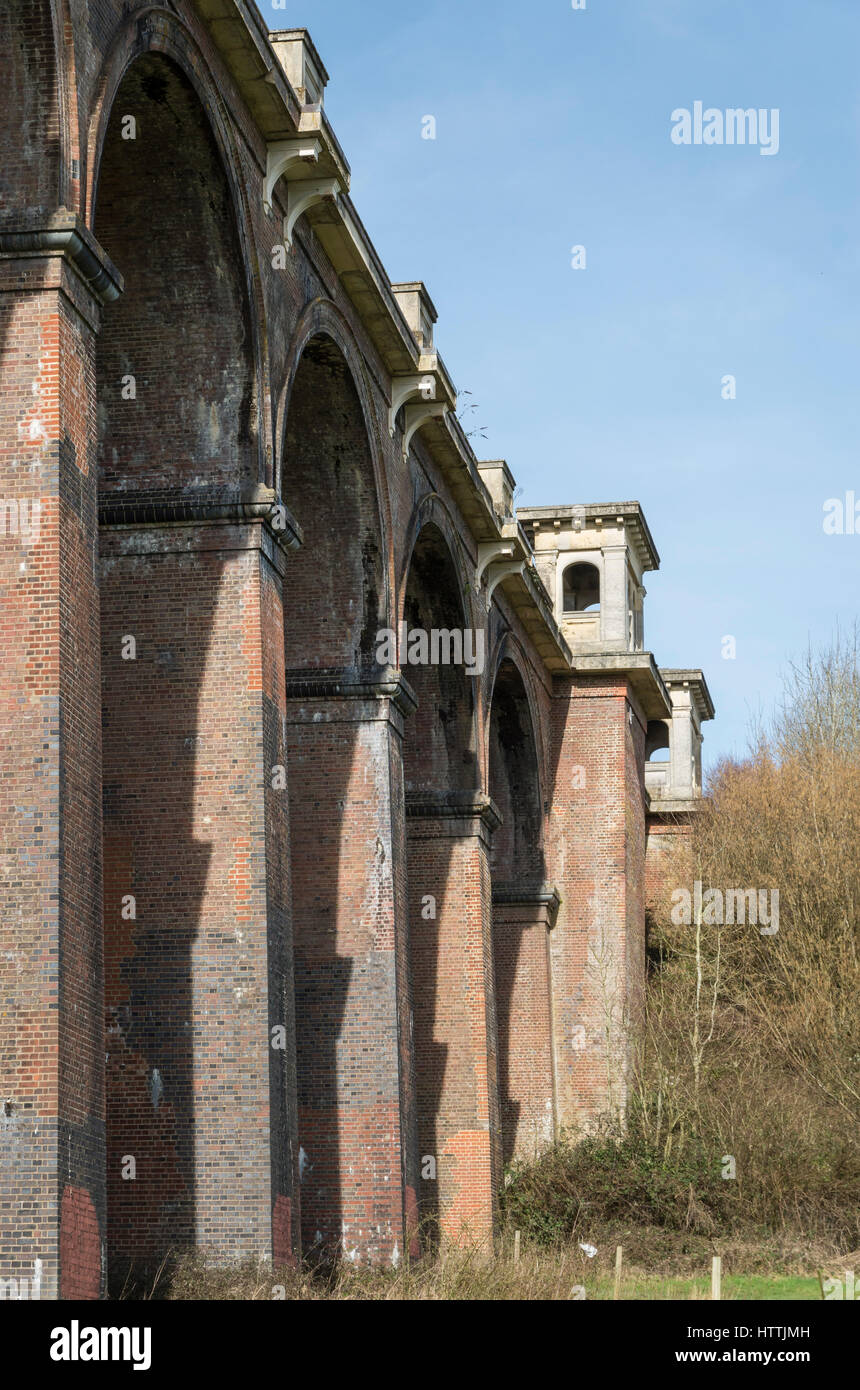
(699, 692)
(529, 895)
(598, 515)
(640, 670)
(453, 806)
(63, 234)
(379, 683)
(140, 509)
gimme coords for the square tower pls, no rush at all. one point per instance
(592, 560)
(678, 777)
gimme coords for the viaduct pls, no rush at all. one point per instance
(304, 936)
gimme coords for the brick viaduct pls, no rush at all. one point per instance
(309, 941)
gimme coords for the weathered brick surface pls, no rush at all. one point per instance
(52, 1128)
(347, 856)
(252, 762)
(456, 1057)
(189, 979)
(80, 1245)
(595, 853)
(666, 837)
(524, 1020)
(30, 124)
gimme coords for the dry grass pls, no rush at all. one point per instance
(655, 1267)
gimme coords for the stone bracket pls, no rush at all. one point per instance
(488, 553)
(544, 895)
(496, 573)
(497, 561)
(284, 155)
(404, 388)
(137, 510)
(383, 683)
(301, 196)
(417, 415)
(454, 809)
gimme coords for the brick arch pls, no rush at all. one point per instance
(508, 647)
(337, 597)
(158, 31)
(321, 319)
(515, 780)
(432, 511)
(522, 913)
(183, 327)
(442, 743)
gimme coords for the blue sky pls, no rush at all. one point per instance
(603, 384)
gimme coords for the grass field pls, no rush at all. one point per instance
(758, 1287)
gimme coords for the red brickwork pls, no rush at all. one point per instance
(182, 814)
(348, 881)
(667, 836)
(524, 1014)
(52, 1127)
(80, 1245)
(596, 843)
(456, 1062)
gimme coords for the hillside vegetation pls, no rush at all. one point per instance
(743, 1122)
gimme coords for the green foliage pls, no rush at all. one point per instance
(614, 1177)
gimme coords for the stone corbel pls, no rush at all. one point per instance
(417, 415)
(488, 553)
(496, 573)
(403, 388)
(282, 156)
(301, 196)
(495, 560)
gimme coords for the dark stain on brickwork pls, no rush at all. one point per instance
(519, 930)
(181, 329)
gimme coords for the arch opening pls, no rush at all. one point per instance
(521, 921)
(657, 741)
(581, 588)
(440, 747)
(176, 376)
(336, 579)
(513, 779)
